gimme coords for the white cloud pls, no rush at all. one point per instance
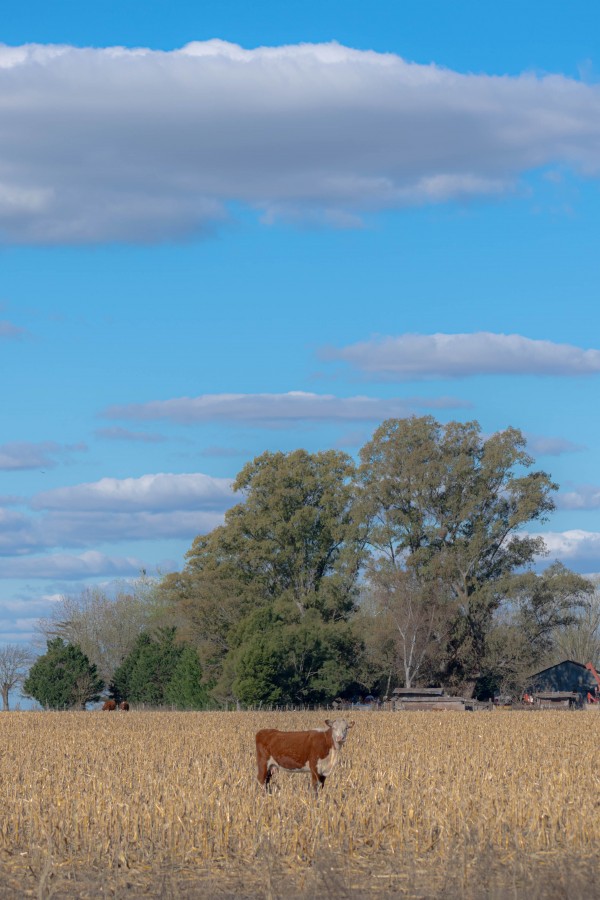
(584, 497)
(150, 492)
(89, 564)
(273, 410)
(576, 548)
(159, 506)
(26, 455)
(73, 529)
(18, 534)
(116, 144)
(423, 356)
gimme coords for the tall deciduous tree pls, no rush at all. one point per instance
(296, 533)
(14, 662)
(292, 547)
(448, 506)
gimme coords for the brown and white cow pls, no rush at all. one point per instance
(124, 705)
(316, 751)
(109, 706)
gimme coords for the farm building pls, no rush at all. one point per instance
(557, 699)
(566, 676)
(424, 698)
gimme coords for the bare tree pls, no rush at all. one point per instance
(104, 627)
(14, 663)
(580, 640)
(411, 618)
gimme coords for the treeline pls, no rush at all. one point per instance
(335, 578)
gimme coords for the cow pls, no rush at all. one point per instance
(316, 751)
(124, 705)
(109, 706)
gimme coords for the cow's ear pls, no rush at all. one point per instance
(350, 724)
(329, 723)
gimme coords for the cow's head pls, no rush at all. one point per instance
(339, 730)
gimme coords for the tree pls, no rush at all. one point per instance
(449, 506)
(14, 661)
(303, 661)
(208, 599)
(105, 627)
(579, 639)
(295, 533)
(407, 624)
(292, 549)
(63, 678)
(548, 603)
(524, 635)
(145, 673)
(185, 690)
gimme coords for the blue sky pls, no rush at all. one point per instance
(269, 226)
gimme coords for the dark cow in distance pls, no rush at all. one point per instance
(316, 751)
(124, 705)
(109, 706)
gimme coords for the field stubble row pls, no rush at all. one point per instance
(179, 789)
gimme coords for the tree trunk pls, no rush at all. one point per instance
(389, 681)
(5, 690)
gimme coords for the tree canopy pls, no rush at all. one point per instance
(270, 592)
(63, 678)
(418, 564)
(160, 670)
(449, 506)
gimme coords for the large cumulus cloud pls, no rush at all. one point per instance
(159, 506)
(117, 144)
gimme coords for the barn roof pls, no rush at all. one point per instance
(557, 665)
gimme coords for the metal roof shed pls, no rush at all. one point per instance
(567, 675)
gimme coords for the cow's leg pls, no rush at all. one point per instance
(318, 780)
(264, 771)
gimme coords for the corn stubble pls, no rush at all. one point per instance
(179, 789)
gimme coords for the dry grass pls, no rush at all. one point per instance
(422, 804)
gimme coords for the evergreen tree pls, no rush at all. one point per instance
(145, 673)
(185, 689)
(63, 678)
(304, 661)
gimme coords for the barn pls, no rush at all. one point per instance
(566, 676)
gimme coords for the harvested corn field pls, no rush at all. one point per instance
(421, 805)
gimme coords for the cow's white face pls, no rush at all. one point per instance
(339, 730)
